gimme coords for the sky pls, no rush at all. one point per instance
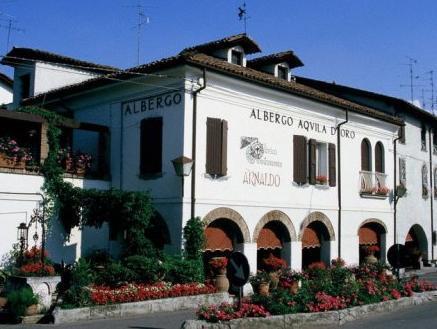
(360, 43)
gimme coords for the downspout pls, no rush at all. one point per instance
(395, 191)
(193, 145)
(431, 192)
(339, 179)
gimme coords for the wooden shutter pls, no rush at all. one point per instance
(151, 146)
(332, 165)
(299, 159)
(224, 148)
(379, 158)
(401, 134)
(312, 161)
(365, 155)
(216, 146)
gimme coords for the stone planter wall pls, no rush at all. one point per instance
(137, 308)
(302, 320)
(44, 287)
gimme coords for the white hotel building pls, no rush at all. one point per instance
(280, 164)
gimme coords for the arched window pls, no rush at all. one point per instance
(379, 158)
(366, 151)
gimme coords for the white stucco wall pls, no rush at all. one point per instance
(5, 94)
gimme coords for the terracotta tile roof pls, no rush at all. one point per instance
(21, 55)
(288, 57)
(242, 40)
(6, 80)
(205, 61)
(340, 90)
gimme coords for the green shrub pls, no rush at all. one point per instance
(114, 273)
(19, 300)
(194, 237)
(75, 283)
(144, 269)
(183, 270)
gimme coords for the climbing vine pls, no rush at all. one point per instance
(124, 211)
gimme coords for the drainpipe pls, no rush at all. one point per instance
(193, 145)
(431, 192)
(339, 179)
(395, 191)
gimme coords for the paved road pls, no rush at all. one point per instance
(156, 321)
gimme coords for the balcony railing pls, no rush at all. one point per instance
(372, 183)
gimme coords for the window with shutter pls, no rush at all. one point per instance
(312, 161)
(365, 155)
(151, 146)
(434, 141)
(379, 158)
(332, 165)
(423, 138)
(216, 146)
(425, 189)
(401, 134)
(299, 159)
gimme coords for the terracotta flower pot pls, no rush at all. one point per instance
(222, 282)
(294, 287)
(31, 310)
(263, 288)
(274, 279)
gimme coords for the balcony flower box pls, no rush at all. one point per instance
(321, 180)
(9, 162)
(12, 155)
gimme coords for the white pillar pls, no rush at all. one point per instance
(350, 249)
(296, 255)
(250, 251)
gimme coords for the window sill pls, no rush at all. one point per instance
(216, 177)
(300, 185)
(373, 196)
(151, 176)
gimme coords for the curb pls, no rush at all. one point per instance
(137, 308)
(302, 320)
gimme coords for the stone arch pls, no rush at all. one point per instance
(275, 215)
(317, 216)
(228, 213)
(421, 239)
(375, 221)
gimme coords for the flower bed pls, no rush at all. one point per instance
(320, 290)
(102, 295)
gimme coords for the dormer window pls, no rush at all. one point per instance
(236, 57)
(283, 72)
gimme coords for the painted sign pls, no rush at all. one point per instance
(152, 103)
(308, 125)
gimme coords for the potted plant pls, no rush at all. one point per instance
(218, 265)
(33, 266)
(66, 160)
(82, 163)
(274, 266)
(23, 302)
(12, 155)
(260, 282)
(290, 280)
(321, 179)
(382, 190)
(370, 252)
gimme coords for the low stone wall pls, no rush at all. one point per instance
(137, 308)
(302, 320)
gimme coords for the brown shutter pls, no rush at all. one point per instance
(379, 162)
(151, 146)
(365, 155)
(224, 149)
(332, 165)
(214, 146)
(312, 161)
(299, 159)
(402, 134)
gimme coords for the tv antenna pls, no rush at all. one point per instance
(9, 23)
(142, 20)
(411, 85)
(242, 15)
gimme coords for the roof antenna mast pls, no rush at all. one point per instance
(242, 15)
(143, 19)
(411, 85)
(9, 25)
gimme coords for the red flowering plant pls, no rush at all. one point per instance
(338, 262)
(218, 263)
(227, 312)
(381, 190)
(272, 263)
(32, 265)
(325, 302)
(321, 179)
(317, 266)
(102, 295)
(82, 160)
(10, 148)
(371, 250)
